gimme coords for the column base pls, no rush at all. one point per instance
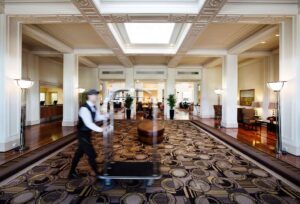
(206, 116)
(69, 123)
(35, 122)
(229, 125)
(9, 145)
(295, 150)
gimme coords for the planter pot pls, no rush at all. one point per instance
(172, 112)
(128, 114)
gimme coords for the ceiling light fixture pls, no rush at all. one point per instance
(277, 35)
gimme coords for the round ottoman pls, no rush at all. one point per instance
(147, 129)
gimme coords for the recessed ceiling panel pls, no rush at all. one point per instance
(149, 33)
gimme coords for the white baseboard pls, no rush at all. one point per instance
(69, 123)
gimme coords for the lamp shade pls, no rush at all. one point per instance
(256, 104)
(272, 106)
(24, 83)
(276, 86)
(81, 90)
(218, 91)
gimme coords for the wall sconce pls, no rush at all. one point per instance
(81, 90)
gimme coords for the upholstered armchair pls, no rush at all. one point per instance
(249, 118)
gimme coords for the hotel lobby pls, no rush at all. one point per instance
(181, 101)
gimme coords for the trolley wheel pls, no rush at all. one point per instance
(149, 182)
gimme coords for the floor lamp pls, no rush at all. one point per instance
(219, 92)
(24, 84)
(277, 87)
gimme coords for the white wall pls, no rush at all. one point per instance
(88, 78)
(255, 75)
(51, 72)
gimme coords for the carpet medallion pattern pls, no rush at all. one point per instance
(196, 169)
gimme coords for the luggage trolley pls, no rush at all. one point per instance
(126, 170)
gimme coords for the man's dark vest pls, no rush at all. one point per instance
(81, 126)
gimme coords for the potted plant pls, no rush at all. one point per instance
(128, 104)
(171, 102)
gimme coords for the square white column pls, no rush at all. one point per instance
(33, 94)
(289, 70)
(129, 84)
(70, 89)
(230, 87)
(10, 69)
(170, 89)
(211, 79)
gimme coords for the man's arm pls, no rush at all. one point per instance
(87, 119)
(100, 117)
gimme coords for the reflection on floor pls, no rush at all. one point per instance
(196, 169)
(262, 140)
(37, 136)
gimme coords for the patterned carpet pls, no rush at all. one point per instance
(196, 169)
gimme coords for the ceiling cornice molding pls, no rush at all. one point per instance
(250, 61)
(254, 54)
(214, 63)
(94, 52)
(250, 19)
(97, 21)
(254, 39)
(46, 53)
(207, 52)
(209, 10)
(171, 18)
(45, 38)
(48, 19)
(87, 62)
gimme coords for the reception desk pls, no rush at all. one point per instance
(51, 112)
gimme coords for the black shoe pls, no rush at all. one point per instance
(73, 175)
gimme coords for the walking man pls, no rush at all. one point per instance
(88, 115)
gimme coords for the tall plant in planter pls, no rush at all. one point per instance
(171, 102)
(128, 104)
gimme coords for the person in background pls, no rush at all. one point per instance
(88, 116)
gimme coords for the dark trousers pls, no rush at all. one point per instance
(84, 147)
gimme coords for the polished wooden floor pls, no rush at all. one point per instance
(260, 139)
(37, 136)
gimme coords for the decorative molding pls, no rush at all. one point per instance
(257, 19)
(97, 21)
(209, 10)
(45, 19)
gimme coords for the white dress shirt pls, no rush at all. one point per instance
(86, 116)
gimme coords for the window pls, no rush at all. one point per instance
(42, 97)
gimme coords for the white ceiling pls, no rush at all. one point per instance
(93, 36)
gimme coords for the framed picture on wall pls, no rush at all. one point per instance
(247, 97)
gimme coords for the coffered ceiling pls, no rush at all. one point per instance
(79, 35)
(203, 31)
(224, 36)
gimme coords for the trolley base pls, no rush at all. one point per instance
(131, 171)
